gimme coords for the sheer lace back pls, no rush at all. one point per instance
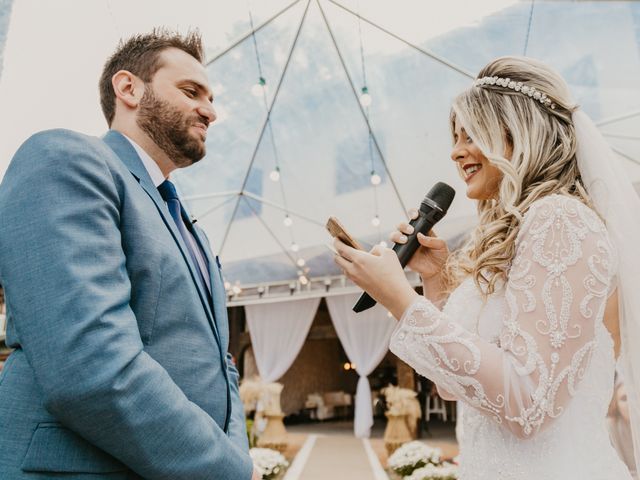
(519, 359)
(555, 293)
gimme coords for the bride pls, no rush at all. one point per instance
(521, 323)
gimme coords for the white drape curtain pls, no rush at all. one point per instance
(365, 339)
(278, 331)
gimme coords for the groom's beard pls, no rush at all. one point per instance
(169, 129)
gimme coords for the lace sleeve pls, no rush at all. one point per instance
(555, 294)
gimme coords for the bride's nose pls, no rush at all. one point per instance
(459, 152)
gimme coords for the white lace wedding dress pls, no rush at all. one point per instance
(534, 365)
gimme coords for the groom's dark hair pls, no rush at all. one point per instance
(140, 55)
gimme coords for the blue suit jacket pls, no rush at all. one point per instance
(120, 368)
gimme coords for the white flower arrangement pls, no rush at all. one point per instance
(269, 463)
(412, 456)
(446, 471)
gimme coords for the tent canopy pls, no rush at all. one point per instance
(307, 119)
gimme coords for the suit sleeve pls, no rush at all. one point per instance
(63, 261)
(238, 425)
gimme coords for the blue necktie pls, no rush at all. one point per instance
(168, 192)
(170, 195)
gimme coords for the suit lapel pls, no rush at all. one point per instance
(125, 151)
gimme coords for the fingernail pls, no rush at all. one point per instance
(409, 229)
(403, 238)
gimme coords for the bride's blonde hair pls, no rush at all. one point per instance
(541, 143)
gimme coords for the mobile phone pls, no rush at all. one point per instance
(336, 230)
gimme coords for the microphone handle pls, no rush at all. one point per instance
(422, 224)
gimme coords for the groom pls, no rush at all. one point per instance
(115, 303)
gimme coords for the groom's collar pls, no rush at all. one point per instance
(128, 155)
(149, 164)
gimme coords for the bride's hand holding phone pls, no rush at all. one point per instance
(379, 273)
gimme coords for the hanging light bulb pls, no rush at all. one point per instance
(303, 280)
(365, 98)
(259, 87)
(300, 262)
(375, 221)
(375, 178)
(294, 247)
(287, 221)
(275, 174)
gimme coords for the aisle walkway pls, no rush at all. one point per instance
(329, 450)
(336, 457)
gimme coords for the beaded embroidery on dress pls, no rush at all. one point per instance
(534, 364)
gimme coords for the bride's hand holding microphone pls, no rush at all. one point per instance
(430, 256)
(428, 260)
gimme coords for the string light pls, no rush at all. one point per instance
(365, 101)
(294, 247)
(365, 98)
(275, 174)
(303, 280)
(300, 262)
(383, 244)
(287, 221)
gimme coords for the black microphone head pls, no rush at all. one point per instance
(442, 195)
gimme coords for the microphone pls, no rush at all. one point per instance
(432, 209)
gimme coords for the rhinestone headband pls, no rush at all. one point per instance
(518, 87)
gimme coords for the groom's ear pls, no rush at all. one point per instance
(128, 89)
